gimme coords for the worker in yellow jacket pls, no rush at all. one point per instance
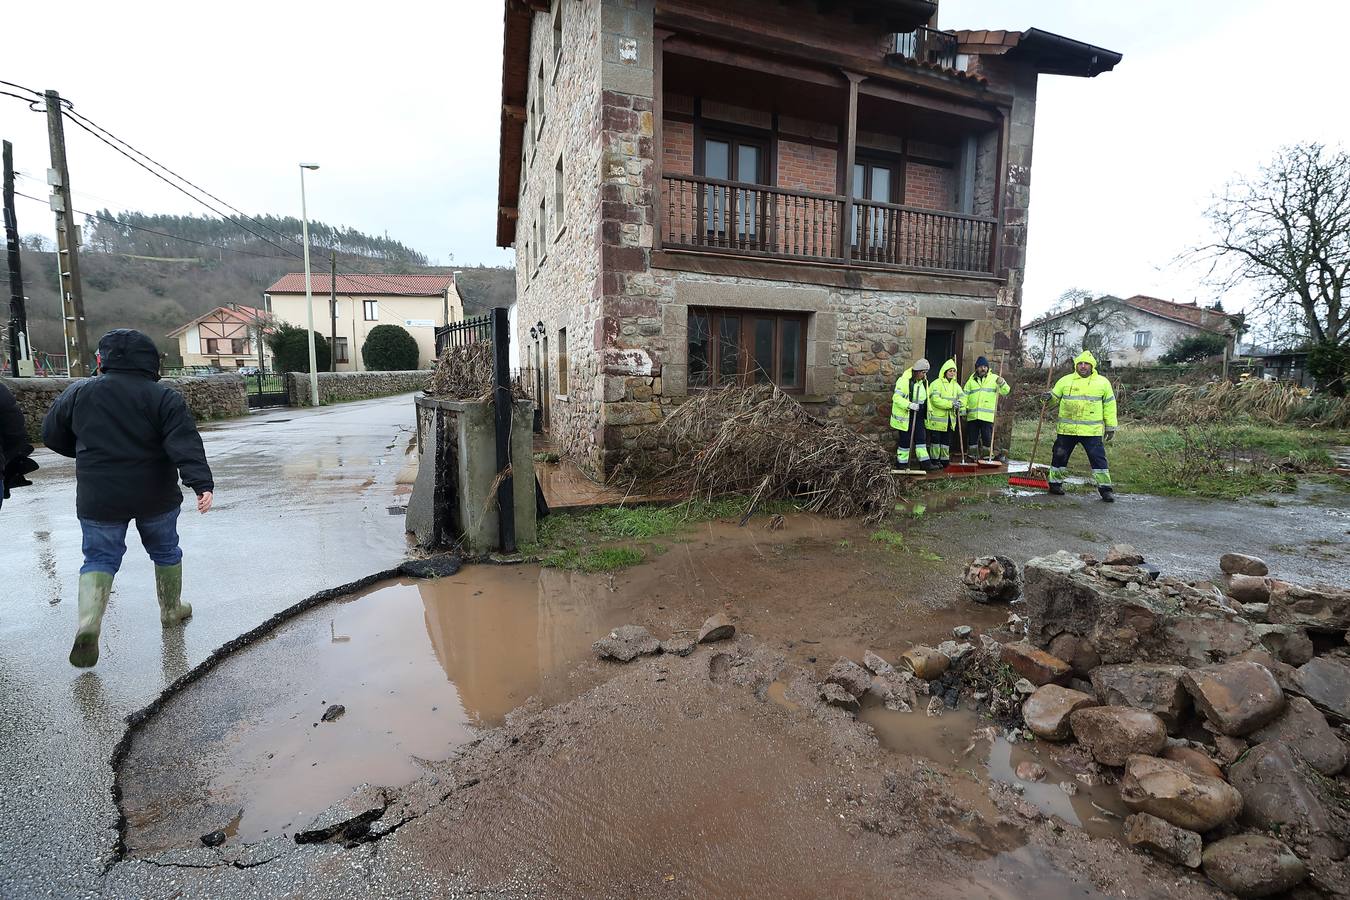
(907, 415)
(1087, 416)
(982, 392)
(944, 405)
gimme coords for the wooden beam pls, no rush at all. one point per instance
(912, 98)
(694, 49)
(850, 156)
(659, 38)
(513, 111)
(509, 212)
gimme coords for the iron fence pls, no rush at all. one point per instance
(927, 46)
(477, 330)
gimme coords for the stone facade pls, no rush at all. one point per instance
(341, 387)
(208, 397)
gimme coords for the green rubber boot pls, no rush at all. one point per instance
(169, 587)
(94, 590)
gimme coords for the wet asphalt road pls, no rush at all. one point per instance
(302, 504)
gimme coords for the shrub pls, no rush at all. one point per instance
(290, 349)
(1329, 364)
(389, 348)
(1194, 348)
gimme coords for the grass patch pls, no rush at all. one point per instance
(981, 516)
(594, 559)
(929, 556)
(1226, 462)
(893, 539)
(1091, 537)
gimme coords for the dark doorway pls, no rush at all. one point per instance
(942, 342)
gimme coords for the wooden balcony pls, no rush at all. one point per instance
(711, 215)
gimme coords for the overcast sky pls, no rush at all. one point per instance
(399, 104)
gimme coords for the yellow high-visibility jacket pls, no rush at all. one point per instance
(942, 395)
(1087, 406)
(907, 391)
(982, 397)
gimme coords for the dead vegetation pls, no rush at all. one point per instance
(1266, 402)
(465, 373)
(761, 443)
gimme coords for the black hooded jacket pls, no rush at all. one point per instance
(130, 435)
(14, 447)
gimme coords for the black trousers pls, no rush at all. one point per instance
(979, 434)
(1095, 448)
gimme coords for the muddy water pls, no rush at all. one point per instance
(420, 668)
(960, 739)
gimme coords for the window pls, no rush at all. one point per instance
(747, 347)
(371, 309)
(1143, 340)
(730, 211)
(539, 100)
(541, 230)
(238, 346)
(562, 361)
(340, 351)
(557, 34)
(558, 191)
(878, 182)
(212, 345)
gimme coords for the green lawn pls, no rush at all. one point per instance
(1221, 461)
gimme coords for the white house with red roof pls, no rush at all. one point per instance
(226, 338)
(1138, 332)
(417, 303)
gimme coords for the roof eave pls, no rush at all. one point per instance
(1054, 54)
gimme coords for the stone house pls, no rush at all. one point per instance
(226, 338)
(419, 303)
(1135, 331)
(710, 191)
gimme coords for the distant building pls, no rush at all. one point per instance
(226, 338)
(418, 303)
(1141, 330)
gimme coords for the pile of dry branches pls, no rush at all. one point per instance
(463, 373)
(1224, 402)
(760, 442)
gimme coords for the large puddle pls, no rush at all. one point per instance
(419, 668)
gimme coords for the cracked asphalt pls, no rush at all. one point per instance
(303, 503)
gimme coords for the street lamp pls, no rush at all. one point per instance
(309, 290)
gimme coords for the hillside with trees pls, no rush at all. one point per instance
(136, 278)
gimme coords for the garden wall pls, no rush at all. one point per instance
(340, 387)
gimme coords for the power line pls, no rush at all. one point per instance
(20, 87)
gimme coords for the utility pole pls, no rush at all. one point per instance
(19, 351)
(67, 243)
(332, 308)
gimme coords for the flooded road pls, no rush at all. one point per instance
(419, 668)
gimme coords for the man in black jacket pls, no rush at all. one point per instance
(15, 451)
(131, 438)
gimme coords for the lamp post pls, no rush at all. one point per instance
(309, 290)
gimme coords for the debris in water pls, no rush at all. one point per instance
(717, 628)
(334, 712)
(214, 839)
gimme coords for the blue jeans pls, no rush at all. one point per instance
(105, 543)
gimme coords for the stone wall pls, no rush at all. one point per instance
(341, 387)
(208, 397)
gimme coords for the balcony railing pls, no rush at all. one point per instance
(927, 46)
(757, 220)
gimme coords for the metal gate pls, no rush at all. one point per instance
(266, 390)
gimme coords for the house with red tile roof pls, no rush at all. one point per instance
(1133, 331)
(226, 337)
(417, 303)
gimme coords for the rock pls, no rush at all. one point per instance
(1228, 749)
(925, 662)
(1047, 711)
(961, 632)
(1123, 555)
(874, 663)
(626, 642)
(993, 579)
(1253, 865)
(1318, 608)
(439, 566)
(1257, 612)
(1035, 665)
(1030, 771)
(214, 839)
(1193, 759)
(334, 712)
(679, 646)
(935, 707)
(1249, 588)
(1149, 686)
(1326, 682)
(1163, 839)
(1112, 733)
(1171, 791)
(717, 628)
(1289, 643)
(1024, 688)
(835, 695)
(954, 651)
(894, 690)
(1241, 564)
(347, 820)
(1305, 729)
(1076, 651)
(850, 676)
(1236, 697)
(1282, 793)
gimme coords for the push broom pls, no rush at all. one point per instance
(1032, 479)
(964, 465)
(990, 462)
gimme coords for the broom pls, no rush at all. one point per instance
(913, 428)
(991, 462)
(964, 465)
(1031, 479)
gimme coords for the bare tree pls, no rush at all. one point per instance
(1286, 232)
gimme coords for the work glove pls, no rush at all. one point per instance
(1110, 433)
(1047, 396)
(913, 407)
(1001, 382)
